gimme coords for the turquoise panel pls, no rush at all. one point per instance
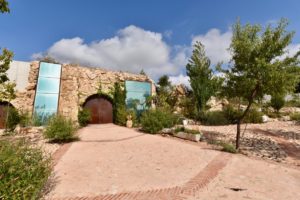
(136, 94)
(47, 93)
(50, 70)
(47, 102)
(48, 85)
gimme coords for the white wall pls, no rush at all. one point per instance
(19, 73)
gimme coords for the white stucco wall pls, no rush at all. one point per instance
(19, 72)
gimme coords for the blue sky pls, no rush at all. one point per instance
(91, 31)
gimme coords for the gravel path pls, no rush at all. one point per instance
(278, 141)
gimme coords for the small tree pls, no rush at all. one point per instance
(202, 79)
(259, 65)
(277, 102)
(7, 89)
(142, 72)
(164, 97)
(119, 109)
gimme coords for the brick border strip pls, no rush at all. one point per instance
(189, 189)
(58, 154)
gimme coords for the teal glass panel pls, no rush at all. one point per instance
(47, 93)
(50, 70)
(138, 86)
(136, 94)
(46, 102)
(48, 85)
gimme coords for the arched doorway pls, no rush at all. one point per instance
(101, 109)
(3, 113)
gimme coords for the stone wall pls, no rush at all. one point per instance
(77, 84)
(25, 99)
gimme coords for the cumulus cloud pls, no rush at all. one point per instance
(132, 49)
(292, 49)
(216, 45)
(180, 79)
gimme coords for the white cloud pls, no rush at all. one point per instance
(180, 79)
(216, 45)
(292, 49)
(132, 49)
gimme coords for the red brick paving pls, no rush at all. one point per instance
(186, 191)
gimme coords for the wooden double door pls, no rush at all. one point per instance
(101, 110)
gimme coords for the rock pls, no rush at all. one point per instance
(17, 129)
(285, 118)
(265, 118)
(167, 130)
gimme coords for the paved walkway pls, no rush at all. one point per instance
(112, 162)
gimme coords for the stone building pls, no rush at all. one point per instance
(46, 88)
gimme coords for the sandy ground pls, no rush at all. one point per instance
(110, 159)
(257, 179)
(113, 160)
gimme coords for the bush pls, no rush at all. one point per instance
(227, 147)
(254, 116)
(60, 129)
(154, 121)
(23, 170)
(84, 116)
(119, 111)
(295, 116)
(13, 118)
(25, 119)
(277, 102)
(215, 118)
(231, 114)
(182, 129)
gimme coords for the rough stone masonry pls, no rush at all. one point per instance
(77, 84)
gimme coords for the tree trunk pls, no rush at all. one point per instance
(238, 134)
(240, 120)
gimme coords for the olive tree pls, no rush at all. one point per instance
(259, 65)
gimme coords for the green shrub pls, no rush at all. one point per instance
(179, 129)
(12, 118)
(295, 102)
(84, 116)
(227, 147)
(25, 119)
(182, 129)
(37, 120)
(154, 121)
(274, 114)
(277, 102)
(231, 114)
(295, 116)
(60, 129)
(119, 110)
(253, 116)
(215, 118)
(24, 170)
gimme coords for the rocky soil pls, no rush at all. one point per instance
(278, 141)
(35, 137)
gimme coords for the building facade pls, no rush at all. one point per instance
(46, 88)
